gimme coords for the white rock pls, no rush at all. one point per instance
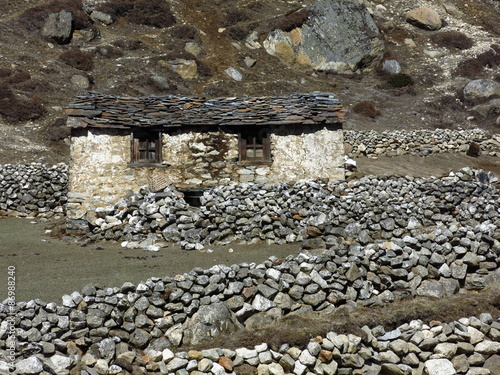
(440, 366)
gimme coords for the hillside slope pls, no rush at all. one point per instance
(127, 57)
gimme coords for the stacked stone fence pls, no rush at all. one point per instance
(33, 189)
(321, 215)
(136, 328)
(418, 142)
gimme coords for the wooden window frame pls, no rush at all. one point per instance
(254, 139)
(153, 152)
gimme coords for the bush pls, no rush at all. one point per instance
(34, 18)
(5, 92)
(293, 20)
(77, 59)
(232, 17)
(5, 72)
(471, 68)
(236, 33)
(366, 109)
(154, 13)
(185, 32)
(452, 39)
(400, 80)
(16, 109)
(18, 77)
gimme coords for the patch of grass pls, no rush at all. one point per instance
(5, 72)
(400, 80)
(366, 109)
(154, 13)
(185, 32)
(299, 330)
(232, 17)
(77, 59)
(17, 109)
(452, 39)
(473, 67)
(236, 33)
(34, 18)
(18, 77)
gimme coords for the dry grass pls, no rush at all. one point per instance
(298, 330)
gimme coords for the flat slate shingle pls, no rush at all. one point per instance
(97, 110)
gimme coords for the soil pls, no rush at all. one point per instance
(47, 268)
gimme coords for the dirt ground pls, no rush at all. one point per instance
(48, 268)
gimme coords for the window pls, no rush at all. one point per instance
(255, 146)
(146, 147)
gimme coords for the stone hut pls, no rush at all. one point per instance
(119, 144)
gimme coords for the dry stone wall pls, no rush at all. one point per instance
(418, 142)
(33, 189)
(321, 215)
(136, 328)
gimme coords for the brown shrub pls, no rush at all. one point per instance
(5, 72)
(18, 77)
(471, 68)
(236, 33)
(185, 32)
(233, 16)
(34, 18)
(452, 39)
(474, 150)
(400, 80)
(293, 20)
(154, 13)
(5, 92)
(129, 44)
(16, 109)
(366, 109)
(77, 59)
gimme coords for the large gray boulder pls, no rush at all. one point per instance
(59, 27)
(481, 88)
(339, 36)
(209, 321)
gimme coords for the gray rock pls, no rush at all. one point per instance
(481, 88)
(338, 36)
(441, 366)
(58, 27)
(209, 321)
(31, 365)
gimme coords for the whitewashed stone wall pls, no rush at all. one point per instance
(196, 157)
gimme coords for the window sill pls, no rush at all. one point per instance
(254, 162)
(147, 165)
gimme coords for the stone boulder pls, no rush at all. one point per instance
(209, 321)
(481, 89)
(338, 36)
(59, 27)
(424, 18)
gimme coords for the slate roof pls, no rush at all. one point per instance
(97, 110)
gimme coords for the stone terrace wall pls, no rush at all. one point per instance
(418, 142)
(109, 330)
(319, 214)
(33, 189)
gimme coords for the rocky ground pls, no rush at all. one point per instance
(127, 60)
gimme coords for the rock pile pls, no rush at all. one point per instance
(108, 330)
(418, 142)
(321, 215)
(33, 189)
